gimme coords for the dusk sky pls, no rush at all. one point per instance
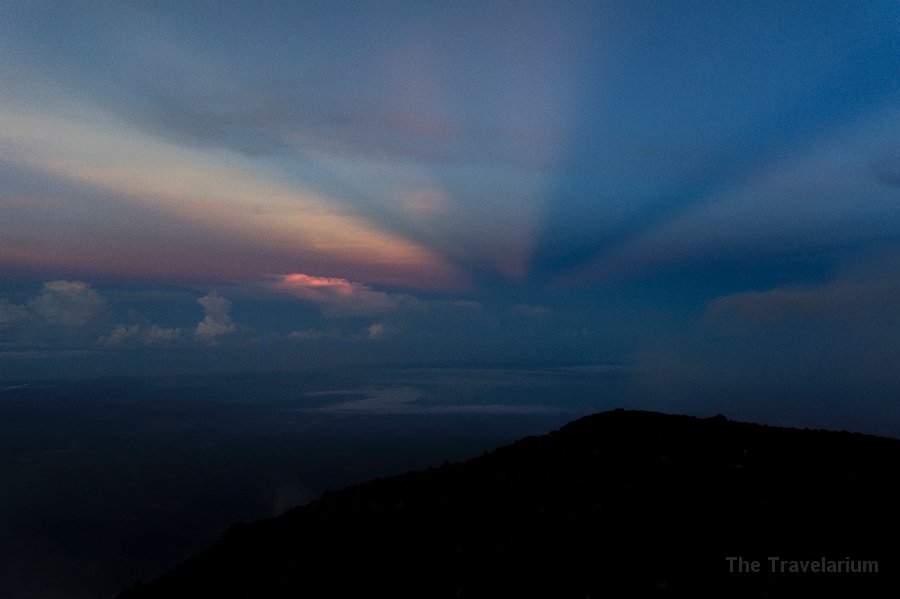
(703, 194)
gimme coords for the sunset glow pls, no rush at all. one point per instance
(560, 182)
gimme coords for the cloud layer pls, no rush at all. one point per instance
(864, 294)
(145, 335)
(408, 401)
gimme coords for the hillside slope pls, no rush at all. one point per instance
(620, 503)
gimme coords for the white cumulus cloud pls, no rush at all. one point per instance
(67, 303)
(217, 321)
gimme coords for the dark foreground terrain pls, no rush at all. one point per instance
(616, 504)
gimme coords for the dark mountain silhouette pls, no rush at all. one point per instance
(618, 504)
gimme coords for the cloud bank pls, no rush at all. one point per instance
(850, 299)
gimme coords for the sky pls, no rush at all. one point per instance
(706, 194)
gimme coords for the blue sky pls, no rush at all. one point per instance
(706, 193)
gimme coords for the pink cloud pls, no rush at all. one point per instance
(339, 297)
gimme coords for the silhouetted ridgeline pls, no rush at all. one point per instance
(616, 504)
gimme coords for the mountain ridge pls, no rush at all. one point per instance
(631, 503)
